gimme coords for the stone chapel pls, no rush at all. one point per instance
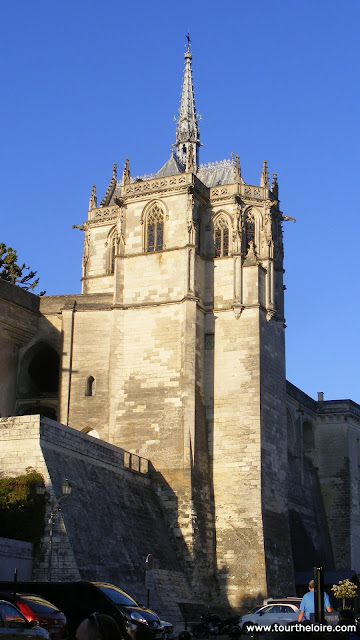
(175, 352)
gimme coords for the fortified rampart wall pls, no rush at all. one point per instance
(110, 522)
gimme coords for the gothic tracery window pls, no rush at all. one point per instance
(111, 244)
(155, 229)
(221, 237)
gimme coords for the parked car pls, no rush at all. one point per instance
(78, 600)
(14, 626)
(269, 615)
(287, 600)
(35, 607)
(168, 628)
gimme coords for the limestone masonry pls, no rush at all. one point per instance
(174, 354)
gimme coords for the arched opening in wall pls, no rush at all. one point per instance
(44, 370)
(43, 410)
(308, 440)
(90, 386)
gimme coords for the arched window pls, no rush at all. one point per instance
(112, 255)
(221, 237)
(155, 229)
(111, 243)
(249, 229)
(90, 386)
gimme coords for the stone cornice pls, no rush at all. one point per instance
(15, 333)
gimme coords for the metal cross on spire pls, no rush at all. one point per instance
(188, 40)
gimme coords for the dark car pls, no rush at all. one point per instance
(14, 626)
(78, 600)
(35, 607)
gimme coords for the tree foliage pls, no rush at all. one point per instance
(22, 511)
(11, 271)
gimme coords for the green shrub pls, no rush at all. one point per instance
(22, 511)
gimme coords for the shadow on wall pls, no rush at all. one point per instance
(113, 521)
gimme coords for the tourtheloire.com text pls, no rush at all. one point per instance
(297, 626)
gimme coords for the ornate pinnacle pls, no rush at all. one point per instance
(275, 186)
(126, 172)
(264, 178)
(237, 170)
(110, 190)
(93, 199)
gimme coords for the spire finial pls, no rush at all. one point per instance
(275, 186)
(237, 170)
(187, 130)
(126, 172)
(264, 178)
(93, 198)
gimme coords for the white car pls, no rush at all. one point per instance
(268, 615)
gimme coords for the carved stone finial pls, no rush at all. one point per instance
(126, 172)
(190, 162)
(269, 314)
(93, 198)
(264, 178)
(237, 170)
(275, 186)
(251, 258)
(114, 170)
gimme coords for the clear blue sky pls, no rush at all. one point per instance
(86, 83)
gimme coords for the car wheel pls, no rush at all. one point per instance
(246, 627)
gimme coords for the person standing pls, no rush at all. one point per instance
(307, 604)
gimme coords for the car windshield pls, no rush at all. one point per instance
(38, 605)
(117, 596)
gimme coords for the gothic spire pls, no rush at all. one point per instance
(187, 130)
(264, 178)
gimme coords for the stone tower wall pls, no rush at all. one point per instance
(274, 464)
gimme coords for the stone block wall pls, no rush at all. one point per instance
(19, 318)
(15, 554)
(110, 522)
(279, 562)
